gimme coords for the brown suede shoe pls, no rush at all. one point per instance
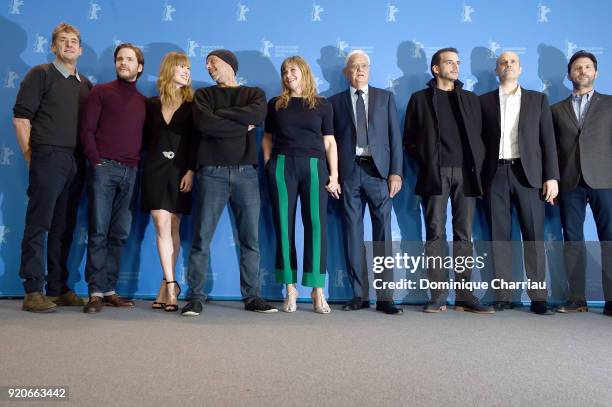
(68, 299)
(93, 306)
(116, 301)
(37, 302)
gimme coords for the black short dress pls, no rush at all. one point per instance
(170, 152)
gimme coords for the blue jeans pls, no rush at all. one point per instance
(214, 187)
(110, 191)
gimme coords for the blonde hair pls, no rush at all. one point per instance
(309, 89)
(165, 83)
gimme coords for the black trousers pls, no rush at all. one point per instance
(55, 184)
(453, 179)
(510, 187)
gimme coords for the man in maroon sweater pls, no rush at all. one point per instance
(111, 133)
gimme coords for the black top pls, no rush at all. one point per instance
(454, 151)
(52, 103)
(171, 152)
(221, 117)
(298, 130)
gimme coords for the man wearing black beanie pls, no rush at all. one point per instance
(225, 117)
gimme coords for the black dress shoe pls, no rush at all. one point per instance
(573, 306)
(540, 308)
(355, 304)
(502, 305)
(608, 309)
(388, 308)
(474, 306)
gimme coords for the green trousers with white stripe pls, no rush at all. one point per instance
(291, 177)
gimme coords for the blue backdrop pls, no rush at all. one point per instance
(400, 37)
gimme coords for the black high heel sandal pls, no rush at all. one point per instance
(159, 305)
(173, 307)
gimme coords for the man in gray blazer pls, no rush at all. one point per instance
(370, 163)
(583, 129)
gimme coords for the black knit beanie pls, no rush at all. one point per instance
(227, 56)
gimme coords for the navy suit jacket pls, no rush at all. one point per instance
(384, 137)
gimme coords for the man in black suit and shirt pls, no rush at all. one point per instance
(583, 129)
(370, 163)
(442, 133)
(520, 168)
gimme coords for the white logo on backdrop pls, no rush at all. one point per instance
(93, 11)
(392, 10)
(570, 48)
(241, 81)
(39, 44)
(14, 6)
(419, 49)
(266, 46)
(466, 13)
(11, 77)
(340, 279)
(316, 12)
(3, 232)
(318, 82)
(5, 155)
(241, 13)
(543, 11)
(342, 47)
(92, 79)
(169, 9)
(191, 47)
(391, 84)
(494, 47)
(469, 84)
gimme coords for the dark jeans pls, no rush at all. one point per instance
(365, 185)
(56, 180)
(462, 207)
(214, 187)
(110, 188)
(510, 187)
(573, 213)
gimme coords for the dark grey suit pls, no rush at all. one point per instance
(366, 180)
(519, 184)
(585, 164)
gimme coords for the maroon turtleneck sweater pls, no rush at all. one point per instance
(112, 121)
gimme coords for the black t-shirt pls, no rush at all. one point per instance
(297, 130)
(454, 151)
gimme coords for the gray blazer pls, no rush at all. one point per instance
(586, 151)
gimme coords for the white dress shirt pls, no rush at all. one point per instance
(360, 150)
(510, 109)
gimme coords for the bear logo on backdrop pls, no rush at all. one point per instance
(543, 11)
(169, 9)
(466, 13)
(94, 8)
(241, 13)
(392, 11)
(14, 6)
(316, 12)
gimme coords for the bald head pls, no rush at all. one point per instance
(508, 67)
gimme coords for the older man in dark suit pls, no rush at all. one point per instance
(370, 163)
(583, 129)
(520, 169)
